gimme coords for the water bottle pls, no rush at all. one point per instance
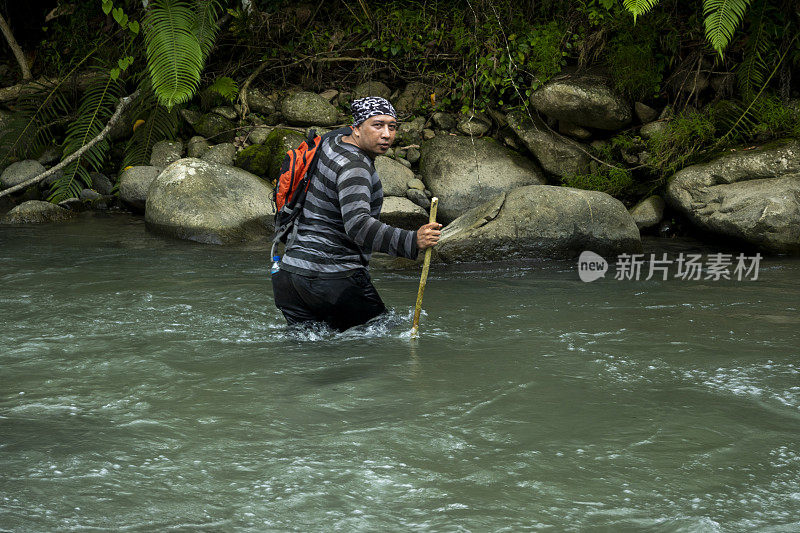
(276, 265)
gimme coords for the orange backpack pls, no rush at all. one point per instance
(292, 184)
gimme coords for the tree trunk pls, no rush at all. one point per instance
(12, 43)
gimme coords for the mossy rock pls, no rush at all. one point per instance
(215, 128)
(265, 159)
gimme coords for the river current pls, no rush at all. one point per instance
(150, 384)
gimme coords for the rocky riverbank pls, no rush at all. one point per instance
(497, 176)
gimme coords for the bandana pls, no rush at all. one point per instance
(364, 108)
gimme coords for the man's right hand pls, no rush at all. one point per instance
(428, 235)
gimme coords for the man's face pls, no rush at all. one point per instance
(376, 134)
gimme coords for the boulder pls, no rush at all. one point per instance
(752, 195)
(223, 153)
(419, 198)
(557, 154)
(573, 130)
(474, 125)
(371, 88)
(101, 183)
(190, 116)
(651, 129)
(402, 213)
(463, 172)
(410, 131)
(393, 174)
(226, 111)
(133, 185)
(50, 155)
(648, 212)
(36, 212)
(265, 159)
(587, 101)
(412, 155)
(20, 172)
(210, 203)
(306, 108)
(444, 121)
(644, 112)
(197, 146)
(413, 96)
(166, 152)
(258, 102)
(329, 95)
(540, 221)
(259, 134)
(215, 128)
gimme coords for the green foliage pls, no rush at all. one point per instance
(722, 19)
(611, 180)
(96, 108)
(639, 7)
(174, 53)
(767, 118)
(636, 64)
(680, 143)
(159, 124)
(225, 87)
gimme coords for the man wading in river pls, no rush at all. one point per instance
(323, 274)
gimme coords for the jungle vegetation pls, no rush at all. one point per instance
(725, 70)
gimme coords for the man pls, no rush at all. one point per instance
(323, 274)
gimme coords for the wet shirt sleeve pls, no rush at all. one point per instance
(370, 234)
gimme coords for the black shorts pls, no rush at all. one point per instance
(339, 302)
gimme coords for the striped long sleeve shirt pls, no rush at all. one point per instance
(339, 227)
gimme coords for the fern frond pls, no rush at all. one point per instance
(721, 19)
(750, 73)
(225, 87)
(205, 27)
(160, 124)
(174, 54)
(97, 106)
(639, 7)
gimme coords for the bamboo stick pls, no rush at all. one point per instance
(424, 278)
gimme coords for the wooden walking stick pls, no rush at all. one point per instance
(424, 278)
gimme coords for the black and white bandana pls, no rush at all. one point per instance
(364, 108)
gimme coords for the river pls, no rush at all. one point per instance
(150, 384)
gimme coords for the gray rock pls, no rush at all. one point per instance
(557, 154)
(190, 116)
(50, 156)
(223, 154)
(405, 162)
(36, 212)
(540, 221)
(416, 183)
(215, 128)
(444, 121)
(226, 111)
(393, 176)
(259, 134)
(573, 130)
(412, 155)
(464, 171)
(20, 172)
(474, 125)
(413, 96)
(651, 129)
(644, 112)
(648, 212)
(259, 102)
(197, 146)
(166, 152)
(419, 198)
(511, 142)
(329, 95)
(74, 204)
(402, 213)
(133, 185)
(428, 134)
(101, 183)
(89, 194)
(371, 88)
(305, 108)
(205, 202)
(410, 131)
(587, 101)
(751, 195)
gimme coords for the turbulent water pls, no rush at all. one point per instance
(150, 384)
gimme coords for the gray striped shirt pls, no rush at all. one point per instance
(339, 227)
